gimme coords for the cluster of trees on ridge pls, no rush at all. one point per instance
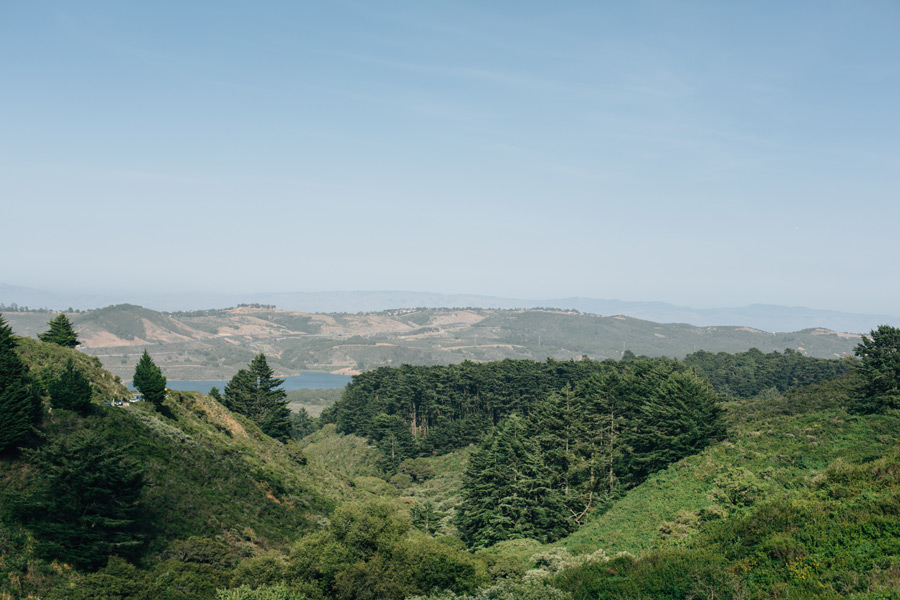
(746, 374)
(20, 397)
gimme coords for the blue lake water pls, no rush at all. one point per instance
(313, 381)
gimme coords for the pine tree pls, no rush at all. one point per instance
(19, 405)
(71, 390)
(149, 381)
(60, 332)
(256, 393)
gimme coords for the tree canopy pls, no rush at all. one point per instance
(149, 380)
(19, 405)
(84, 503)
(880, 369)
(256, 393)
(71, 390)
(576, 450)
(746, 374)
(61, 332)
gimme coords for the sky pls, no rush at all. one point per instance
(699, 153)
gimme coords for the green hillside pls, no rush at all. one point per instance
(46, 361)
(792, 496)
(211, 480)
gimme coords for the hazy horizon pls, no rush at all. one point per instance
(697, 154)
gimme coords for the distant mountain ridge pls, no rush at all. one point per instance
(766, 317)
(215, 343)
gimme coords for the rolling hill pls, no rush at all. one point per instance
(215, 343)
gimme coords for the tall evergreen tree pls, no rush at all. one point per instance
(19, 404)
(71, 390)
(83, 504)
(679, 417)
(61, 332)
(508, 491)
(601, 401)
(256, 393)
(880, 370)
(149, 380)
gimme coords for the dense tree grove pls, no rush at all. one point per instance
(880, 369)
(508, 491)
(254, 392)
(415, 409)
(149, 381)
(412, 410)
(61, 332)
(746, 374)
(540, 476)
(19, 404)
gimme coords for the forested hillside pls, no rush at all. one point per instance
(721, 476)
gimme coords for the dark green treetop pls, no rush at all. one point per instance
(149, 380)
(256, 393)
(880, 370)
(19, 405)
(508, 493)
(84, 503)
(71, 390)
(60, 332)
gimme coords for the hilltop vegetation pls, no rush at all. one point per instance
(548, 470)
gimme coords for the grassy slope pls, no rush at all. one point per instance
(210, 473)
(47, 361)
(776, 444)
(785, 454)
(441, 490)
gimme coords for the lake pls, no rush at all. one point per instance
(313, 381)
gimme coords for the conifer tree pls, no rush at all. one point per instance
(880, 370)
(678, 418)
(83, 505)
(71, 390)
(256, 393)
(508, 493)
(149, 381)
(19, 404)
(61, 332)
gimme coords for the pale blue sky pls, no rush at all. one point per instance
(699, 153)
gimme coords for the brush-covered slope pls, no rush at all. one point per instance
(212, 482)
(47, 361)
(775, 444)
(803, 501)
